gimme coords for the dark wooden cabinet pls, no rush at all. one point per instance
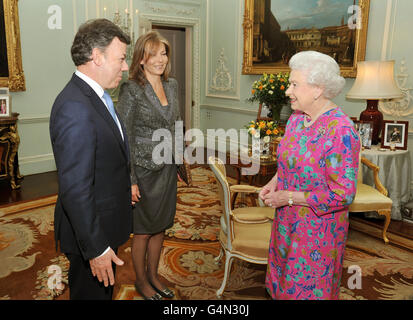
(9, 144)
(267, 169)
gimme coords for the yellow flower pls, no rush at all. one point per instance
(262, 125)
(275, 131)
(268, 132)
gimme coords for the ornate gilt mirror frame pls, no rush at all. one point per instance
(15, 80)
(268, 45)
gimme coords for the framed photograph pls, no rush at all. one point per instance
(274, 30)
(394, 134)
(263, 113)
(5, 106)
(365, 130)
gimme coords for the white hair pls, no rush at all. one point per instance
(322, 71)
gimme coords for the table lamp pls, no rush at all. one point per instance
(374, 81)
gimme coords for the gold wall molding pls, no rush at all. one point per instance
(16, 80)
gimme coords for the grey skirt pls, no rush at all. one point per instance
(155, 212)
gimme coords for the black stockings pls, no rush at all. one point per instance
(146, 252)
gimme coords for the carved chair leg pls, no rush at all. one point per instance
(387, 214)
(228, 263)
(221, 253)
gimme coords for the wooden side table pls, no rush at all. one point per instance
(267, 169)
(9, 144)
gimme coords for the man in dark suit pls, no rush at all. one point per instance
(93, 214)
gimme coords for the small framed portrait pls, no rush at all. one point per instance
(365, 130)
(394, 134)
(5, 106)
(264, 112)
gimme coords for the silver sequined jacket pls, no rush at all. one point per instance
(142, 113)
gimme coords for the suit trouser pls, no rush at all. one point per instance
(82, 284)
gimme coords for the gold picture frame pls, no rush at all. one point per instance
(15, 80)
(271, 55)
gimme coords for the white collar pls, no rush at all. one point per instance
(92, 83)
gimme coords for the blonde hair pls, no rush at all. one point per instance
(145, 47)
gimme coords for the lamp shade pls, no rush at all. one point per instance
(375, 80)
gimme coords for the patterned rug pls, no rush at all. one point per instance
(187, 264)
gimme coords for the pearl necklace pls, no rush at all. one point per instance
(307, 123)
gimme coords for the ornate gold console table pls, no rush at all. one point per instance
(9, 144)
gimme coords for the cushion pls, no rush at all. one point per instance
(253, 214)
(369, 199)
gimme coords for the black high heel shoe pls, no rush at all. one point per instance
(166, 293)
(156, 296)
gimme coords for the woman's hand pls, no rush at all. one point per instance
(179, 178)
(280, 198)
(136, 196)
(276, 199)
(269, 187)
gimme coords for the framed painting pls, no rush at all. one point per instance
(274, 30)
(394, 134)
(11, 69)
(365, 130)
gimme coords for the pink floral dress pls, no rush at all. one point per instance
(307, 243)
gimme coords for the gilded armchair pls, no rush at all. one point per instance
(245, 232)
(372, 199)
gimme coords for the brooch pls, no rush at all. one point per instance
(321, 131)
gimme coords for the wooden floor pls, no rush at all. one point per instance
(32, 187)
(45, 184)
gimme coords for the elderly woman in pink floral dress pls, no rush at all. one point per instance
(314, 186)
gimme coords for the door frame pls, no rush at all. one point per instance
(192, 49)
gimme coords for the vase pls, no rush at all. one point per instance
(275, 112)
(280, 113)
(265, 147)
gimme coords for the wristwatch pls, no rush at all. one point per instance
(290, 199)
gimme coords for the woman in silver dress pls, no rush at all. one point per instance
(148, 101)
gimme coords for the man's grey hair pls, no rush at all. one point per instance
(97, 33)
(322, 71)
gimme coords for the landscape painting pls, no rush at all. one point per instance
(274, 30)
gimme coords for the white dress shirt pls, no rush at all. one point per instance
(99, 91)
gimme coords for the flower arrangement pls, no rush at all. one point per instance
(270, 89)
(264, 129)
(265, 134)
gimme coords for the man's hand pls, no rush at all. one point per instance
(102, 267)
(136, 196)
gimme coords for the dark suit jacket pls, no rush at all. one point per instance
(143, 114)
(93, 209)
